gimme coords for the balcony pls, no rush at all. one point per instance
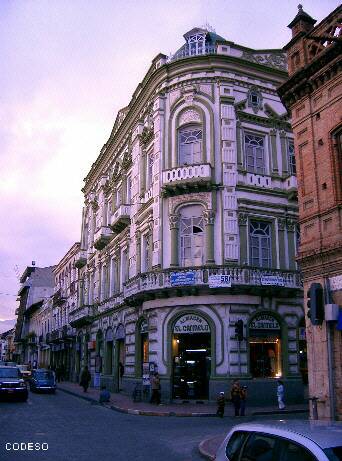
(81, 316)
(68, 332)
(288, 185)
(102, 236)
(121, 218)
(81, 259)
(187, 178)
(58, 298)
(191, 280)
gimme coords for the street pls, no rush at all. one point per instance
(77, 430)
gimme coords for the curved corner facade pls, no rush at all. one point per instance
(189, 225)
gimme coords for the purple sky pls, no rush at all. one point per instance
(67, 67)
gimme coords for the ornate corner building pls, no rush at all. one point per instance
(190, 224)
(313, 94)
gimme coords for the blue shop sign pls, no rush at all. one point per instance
(182, 278)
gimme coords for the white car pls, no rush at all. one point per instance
(283, 441)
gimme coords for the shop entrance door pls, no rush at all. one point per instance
(191, 366)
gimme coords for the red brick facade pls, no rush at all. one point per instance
(313, 94)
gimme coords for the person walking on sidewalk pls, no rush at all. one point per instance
(221, 402)
(243, 397)
(280, 395)
(155, 385)
(235, 396)
(85, 379)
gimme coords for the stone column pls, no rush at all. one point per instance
(290, 224)
(281, 239)
(273, 137)
(209, 219)
(174, 228)
(285, 163)
(138, 254)
(242, 218)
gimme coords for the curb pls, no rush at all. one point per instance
(135, 412)
(203, 452)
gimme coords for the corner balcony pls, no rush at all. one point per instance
(102, 237)
(121, 218)
(187, 178)
(81, 259)
(191, 281)
(81, 316)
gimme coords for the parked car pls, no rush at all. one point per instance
(12, 384)
(25, 372)
(283, 441)
(43, 380)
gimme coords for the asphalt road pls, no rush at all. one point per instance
(77, 430)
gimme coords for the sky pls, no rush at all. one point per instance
(68, 66)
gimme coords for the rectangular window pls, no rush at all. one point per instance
(149, 170)
(291, 158)
(255, 154)
(260, 244)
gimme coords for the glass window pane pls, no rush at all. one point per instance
(294, 452)
(259, 448)
(234, 445)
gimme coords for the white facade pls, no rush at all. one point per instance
(195, 180)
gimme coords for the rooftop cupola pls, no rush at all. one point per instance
(302, 22)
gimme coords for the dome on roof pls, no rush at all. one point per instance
(199, 41)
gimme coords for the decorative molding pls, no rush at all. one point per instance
(291, 225)
(174, 221)
(274, 60)
(209, 217)
(188, 116)
(242, 219)
(281, 224)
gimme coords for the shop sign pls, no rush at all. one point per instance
(335, 283)
(191, 323)
(264, 322)
(182, 278)
(217, 281)
(97, 380)
(144, 327)
(275, 280)
(146, 374)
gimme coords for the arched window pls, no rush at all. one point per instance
(191, 236)
(190, 145)
(260, 243)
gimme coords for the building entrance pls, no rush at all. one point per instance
(191, 354)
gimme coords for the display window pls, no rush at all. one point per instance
(265, 347)
(191, 355)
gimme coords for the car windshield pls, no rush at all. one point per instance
(334, 453)
(9, 373)
(44, 374)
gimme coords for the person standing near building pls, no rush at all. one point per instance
(104, 395)
(155, 385)
(280, 395)
(221, 401)
(85, 379)
(243, 398)
(235, 396)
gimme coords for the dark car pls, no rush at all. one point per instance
(43, 380)
(12, 384)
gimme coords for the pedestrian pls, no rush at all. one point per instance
(280, 394)
(104, 395)
(221, 401)
(243, 397)
(85, 379)
(235, 396)
(155, 385)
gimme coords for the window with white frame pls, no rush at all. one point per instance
(255, 154)
(191, 236)
(190, 145)
(291, 158)
(260, 244)
(196, 44)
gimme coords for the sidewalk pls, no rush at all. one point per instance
(124, 404)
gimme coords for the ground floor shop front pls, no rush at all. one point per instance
(195, 346)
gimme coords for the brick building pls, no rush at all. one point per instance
(313, 94)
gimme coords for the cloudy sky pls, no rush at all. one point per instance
(67, 67)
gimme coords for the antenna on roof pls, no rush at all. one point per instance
(208, 27)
